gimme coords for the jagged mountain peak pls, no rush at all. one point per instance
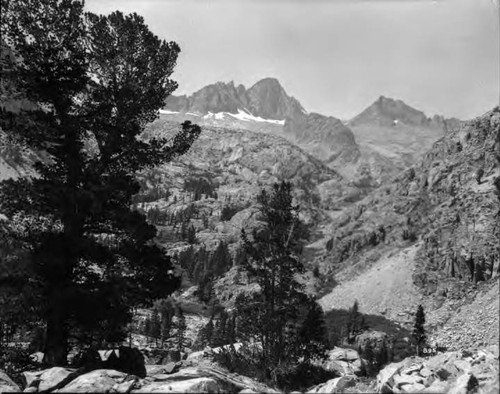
(386, 111)
(268, 83)
(266, 99)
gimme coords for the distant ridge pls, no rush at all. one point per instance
(388, 112)
(266, 99)
(371, 148)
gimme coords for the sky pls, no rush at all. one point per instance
(336, 56)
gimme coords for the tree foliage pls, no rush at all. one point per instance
(274, 316)
(96, 82)
(355, 323)
(419, 334)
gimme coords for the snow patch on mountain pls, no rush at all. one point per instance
(243, 116)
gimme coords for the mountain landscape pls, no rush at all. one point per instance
(384, 139)
(386, 245)
(230, 240)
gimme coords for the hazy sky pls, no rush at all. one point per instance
(336, 56)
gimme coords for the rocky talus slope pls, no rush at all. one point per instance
(443, 213)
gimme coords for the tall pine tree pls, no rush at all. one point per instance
(95, 82)
(273, 259)
(419, 330)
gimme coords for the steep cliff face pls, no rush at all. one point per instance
(325, 137)
(394, 136)
(265, 99)
(446, 208)
(268, 99)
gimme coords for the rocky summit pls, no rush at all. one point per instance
(384, 139)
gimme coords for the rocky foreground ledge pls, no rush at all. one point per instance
(459, 372)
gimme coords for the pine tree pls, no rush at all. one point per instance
(147, 328)
(166, 310)
(219, 337)
(191, 235)
(313, 330)
(479, 272)
(206, 334)
(273, 258)
(95, 82)
(155, 326)
(180, 331)
(370, 358)
(419, 330)
(382, 357)
(221, 260)
(355, 322)
(231, 330)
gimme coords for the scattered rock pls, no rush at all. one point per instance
(124, 359)
(344, 361)
(37, 357)
(195, 385)
(98, 381)
(7, 385)
(54, 377)
(337, 385)
(452, 372)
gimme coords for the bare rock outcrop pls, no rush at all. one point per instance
(191, 379)
(451, 372)
(7, 385)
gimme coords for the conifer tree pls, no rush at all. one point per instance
(273, 258)
(313, 329)
(355, 322)
(206, 334)
(155, 326)
(220, 261)
(191, 235)
(95, 83)
(369, 356)
(180, 331)
(381, 356)
(419, 330)
(479, 272)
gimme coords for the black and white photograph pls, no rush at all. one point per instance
(250, 196)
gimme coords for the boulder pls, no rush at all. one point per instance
(54, 377)
(37, 357)
(196, 379)
(32, 379)
(337, 385)
(386, 377)
(403, 380)
(195, 385)
(124, 359)
(375, 338)
(452, 372)
(338, 353)
(128, 360)
(344, 361)
(7, 385)
(464, 384)
(438, 386)
(413, 388)
(100, 381)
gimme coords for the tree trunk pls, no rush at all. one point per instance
(56, 345)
